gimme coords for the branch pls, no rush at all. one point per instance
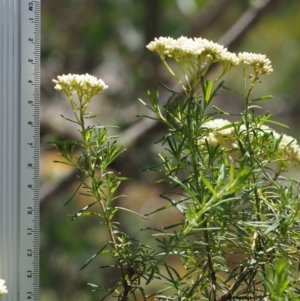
(236, 33)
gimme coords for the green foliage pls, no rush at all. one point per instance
(227, 205)
(226, 181)
(92, 155)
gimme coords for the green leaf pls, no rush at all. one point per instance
(162, 297)
(159, 209)
(262, 98)
(131, 211)
(69, 119)
(170, 270)
(168, 89)
(185, 188)
(142, 293)
(86, 194)
(220, 111)
(88, 214)
(92, 258)
(231, 90)
(207, 89)
(254, 107)
(273, 227)
(90, 115)
(151, 275)
(71, 198)
(208, 185)
(171, 226)
(64, 162)
(92, 285)
(141, 101)
(79, 213)
(278, 123)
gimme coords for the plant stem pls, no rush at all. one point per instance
(103, 207)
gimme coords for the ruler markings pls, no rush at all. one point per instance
(19, 154)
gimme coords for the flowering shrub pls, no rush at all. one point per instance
(3, 289)
(226, 180)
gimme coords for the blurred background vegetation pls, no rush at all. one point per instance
(107, 38)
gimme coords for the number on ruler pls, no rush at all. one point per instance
(29, 274)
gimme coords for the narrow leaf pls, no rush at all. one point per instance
(167, 88)
(93, 257)
(71, 198)
(208, 87)
(208, 185)
(278, 123)
(128, 210)
(263, 98)
(79, 213)
(69, 119)
(150, 277)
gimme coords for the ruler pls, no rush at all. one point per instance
(19, 148)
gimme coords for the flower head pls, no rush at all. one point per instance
(161, 45)
(3, 289)
(84, 84)
(260, 63)
(194, 56)
(289, 147)
(219, 132)
(198, 48)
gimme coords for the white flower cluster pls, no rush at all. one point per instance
(184, 48)
(201, 52)
(260, 63)
(289, 146)
(222, 132)
(3, 289)
(84, 84)
(217, 134)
